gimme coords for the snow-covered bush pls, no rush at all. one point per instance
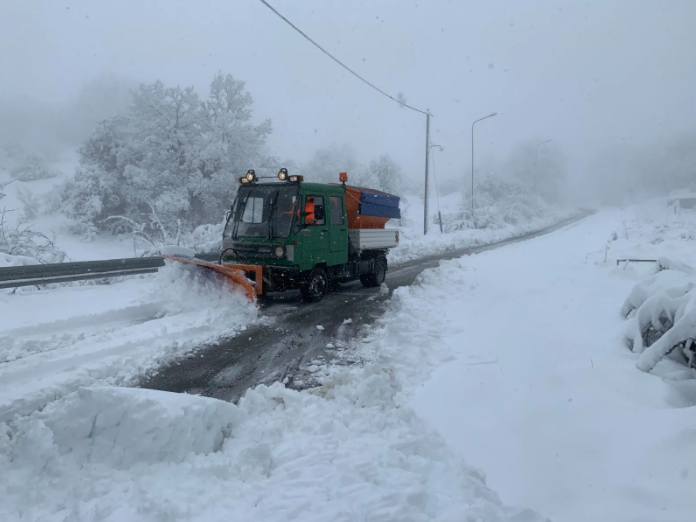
(30, 203)
(205, 238)
(31, 168)
(173, 156)
(662, 316)
(499, 203)
(21, 241)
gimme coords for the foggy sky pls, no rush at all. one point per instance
(586, 74)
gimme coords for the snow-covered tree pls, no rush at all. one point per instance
(172, 159)
(387, 175)
(328, 161)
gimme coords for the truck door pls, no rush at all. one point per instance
(316, 232)
(338, 230)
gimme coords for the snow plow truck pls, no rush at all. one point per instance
(292, 235)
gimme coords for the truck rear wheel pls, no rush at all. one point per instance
(315, 286)
(377, 276)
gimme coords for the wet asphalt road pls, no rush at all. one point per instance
(287, 340)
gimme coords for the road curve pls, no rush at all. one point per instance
(283, 346)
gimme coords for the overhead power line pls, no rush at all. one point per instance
(400, 102)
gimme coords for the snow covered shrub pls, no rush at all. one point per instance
(662, 316)
(30, 203)
(21, 241)
(499, 203)
(205, 238)
(31, 168)
(173, 156)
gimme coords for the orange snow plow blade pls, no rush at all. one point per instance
(236, 274)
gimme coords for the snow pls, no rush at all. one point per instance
(649, 231)
(345, 452)
(413, 244)
(7, 260)
(124, 427)
(542, 393)
(48, 220)
(52, 342)
(177, 251)
(512, 361)
(352, 449)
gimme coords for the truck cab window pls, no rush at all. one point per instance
(336, 205)
(253, 211)
(314, 210)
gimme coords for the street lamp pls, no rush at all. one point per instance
(472, 157)
(536, 170)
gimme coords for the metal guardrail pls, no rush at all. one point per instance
(619, 261)
(29, 275)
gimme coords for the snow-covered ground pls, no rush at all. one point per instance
(53, 341)
(513, 361)
(350, 450)
(543, 393)
(413, 244)
(648, 231)
(33, 203)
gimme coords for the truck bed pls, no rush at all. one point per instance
(373, 238)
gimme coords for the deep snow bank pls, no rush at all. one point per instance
(346, 453)
(124, 427)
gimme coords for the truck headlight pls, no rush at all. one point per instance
(279, 251)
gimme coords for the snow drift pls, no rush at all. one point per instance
(124, 427)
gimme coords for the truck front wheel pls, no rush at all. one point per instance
(377, 276)
(315, 286)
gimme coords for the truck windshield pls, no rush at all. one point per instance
(262, 211)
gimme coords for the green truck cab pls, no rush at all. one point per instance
(298, 234)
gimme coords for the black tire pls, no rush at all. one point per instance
(315, 286)
(377, 276)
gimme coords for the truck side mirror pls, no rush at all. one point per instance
(227, 215)
(319, 213)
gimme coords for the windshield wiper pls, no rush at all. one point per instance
(271, 213)
(241, 208)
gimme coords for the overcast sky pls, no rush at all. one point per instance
(586, 74)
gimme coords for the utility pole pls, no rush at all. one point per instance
(427, 162)
(439, 214)
(472, 159)
(536, 170)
